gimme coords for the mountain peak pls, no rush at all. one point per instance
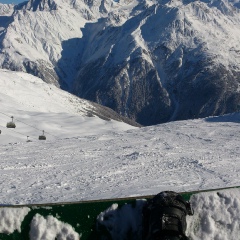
(41, 5)
(101, 6)
(6, 9)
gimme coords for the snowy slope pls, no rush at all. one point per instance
(36, 34)
(152, 61)
(179, 156)
(88, 158)
(38, 106)
(186, 155)
(170, 60)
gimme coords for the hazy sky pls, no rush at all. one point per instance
(12, 1)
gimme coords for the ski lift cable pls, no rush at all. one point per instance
(16, 131)
(35, 128)
(28, 124)
(5, 114)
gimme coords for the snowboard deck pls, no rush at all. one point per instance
(80, 215)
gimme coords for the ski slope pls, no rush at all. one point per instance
(181, 156)
(37, 106)
(86, 158)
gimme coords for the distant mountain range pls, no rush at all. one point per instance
(150, 61)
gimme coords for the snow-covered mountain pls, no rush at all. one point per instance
(152, 61)
(38, 106)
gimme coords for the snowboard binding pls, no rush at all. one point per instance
(164, 217)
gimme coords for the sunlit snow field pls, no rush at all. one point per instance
(87, 158)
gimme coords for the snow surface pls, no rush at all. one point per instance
(87, 158)
(11, 219)
(182, 156)
(217, 216)
(51, 228)
(38, 106)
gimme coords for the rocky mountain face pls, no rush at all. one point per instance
(35, 35)
(151, 61)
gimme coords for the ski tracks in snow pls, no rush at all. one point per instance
(182, 156)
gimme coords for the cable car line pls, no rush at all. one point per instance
(4, 114)
(28, 125)
(36, 128)
(15, 131)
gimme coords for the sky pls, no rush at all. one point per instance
(11, 1)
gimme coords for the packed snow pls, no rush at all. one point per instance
(11, 219)
(183, 156)
(51, 228)
(87, 158)
(217, 215)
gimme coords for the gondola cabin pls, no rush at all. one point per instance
(42, 137)
(11, 124)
